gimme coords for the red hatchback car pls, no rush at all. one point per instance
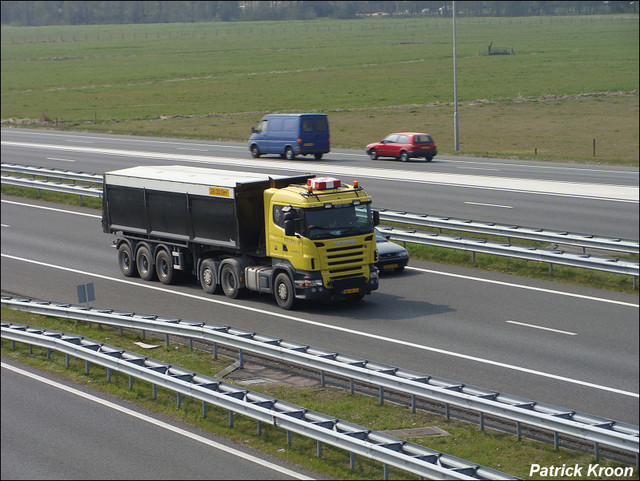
(404, 146)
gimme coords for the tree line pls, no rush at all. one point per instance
(35, 13)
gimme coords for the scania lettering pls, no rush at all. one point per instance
(294, 238)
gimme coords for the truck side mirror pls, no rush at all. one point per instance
(376, 217)
(289, 227)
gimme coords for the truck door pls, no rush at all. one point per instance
(283, 246)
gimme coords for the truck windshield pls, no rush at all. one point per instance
(338, 221)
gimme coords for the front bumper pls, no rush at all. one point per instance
(312, 288)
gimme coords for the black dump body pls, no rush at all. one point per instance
(177, 211)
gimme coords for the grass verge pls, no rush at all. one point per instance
(489, 448)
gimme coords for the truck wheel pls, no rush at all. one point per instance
(230, 282)
(255, 151)
(208, 276)
(164, 267)
(283, 291)
(125, 260)
(288, 153)
(373, 155)
(144, 263)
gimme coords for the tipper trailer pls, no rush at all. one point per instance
(299, 237)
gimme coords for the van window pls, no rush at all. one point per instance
(275, 125)
(315, 124)
(290, 125)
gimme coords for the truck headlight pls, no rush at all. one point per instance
(309, 283)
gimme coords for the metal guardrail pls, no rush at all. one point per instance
(614, 265)
(517, 231)
(551, 418)
(550, 256)
(351, 437)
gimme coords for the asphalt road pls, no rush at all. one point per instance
(564, 345)
(54, 430)
(583, 199)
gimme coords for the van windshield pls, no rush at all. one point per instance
(337, 221)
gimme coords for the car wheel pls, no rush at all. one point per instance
(288, 153)
(429, 158)
(255, 151)
(404, 156)
(373, 155)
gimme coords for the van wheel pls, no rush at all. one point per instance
(288, 154)
(255, 151)
(283, 291)
(230, 282)
(144, 263)
(373, 155)
(404, 156)
(318, 156)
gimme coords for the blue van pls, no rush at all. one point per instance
(290, 135)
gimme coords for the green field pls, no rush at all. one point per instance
(571, 82)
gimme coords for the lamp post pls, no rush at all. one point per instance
(455, 83)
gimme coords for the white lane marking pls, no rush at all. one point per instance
(60, 160)
(156, 422)
(335, 328)
(619, 193)
(490, 205)
(543, 328)
(51, 208)
(521, 286)
(476, 168)
(189, 148)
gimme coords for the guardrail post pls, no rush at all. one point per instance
(386, 472)
(178, 400)
(596, 449)
(86, 367)
(321, 378)
(352, 461)
(446, 411)
(230, 419)
(481, 421)
(130, 383)
(259, 428)
(519, 430)
(190, 344)
(30, 349)
(66, 361)
(204, 409)
(550, 268)
(166, 336)
(155, 391)
(240, 359)
(413, 404)
(556, 439)
(318, 449)
(215, 350)
(381, 395)
(288, 438)
(351, 386)
(108, 374)
(48, 353)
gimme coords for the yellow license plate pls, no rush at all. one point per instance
(355, 290)
(390, 266)
(308, 144)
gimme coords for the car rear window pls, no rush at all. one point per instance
(422, 138)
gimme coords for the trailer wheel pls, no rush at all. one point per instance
(283, 291)
(125, 260)
(230, 282)
(208, 276)
(164, 267)
(144, 263)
